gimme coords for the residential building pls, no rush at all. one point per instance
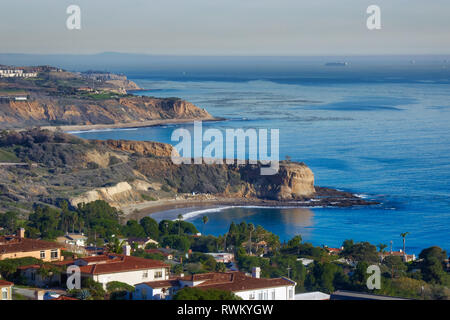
(350, 295)
(247, 287)
(34, 277)
(316, 295)
(16, 73)
(5, 290)
(224, 257)
(123, 268)
(166, 253)
(305, 261)
(333, 251)
(13, 247)
(74, 239)
(405, 257)
(140, 243)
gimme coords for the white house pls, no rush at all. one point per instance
(74, 239)
(223, 257)
(5, 290)
(247, 287)
(123, 268)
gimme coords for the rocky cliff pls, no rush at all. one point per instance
(293, 181)
(70, 111)
(145, 148)
(52, 166)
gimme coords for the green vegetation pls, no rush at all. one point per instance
(7, 156)
(210, 294)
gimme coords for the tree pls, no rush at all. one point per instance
(115, 246)
(134, 229)
(150, 227)
(190, 293)
(180, 218)
(403, 235)
(251, 228)
(382, 246)
(205, 221)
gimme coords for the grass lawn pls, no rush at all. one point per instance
(7, 156)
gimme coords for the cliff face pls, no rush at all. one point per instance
(62, 166)
(116, 195)
(292, 182)
(66, 111)
(145, 148)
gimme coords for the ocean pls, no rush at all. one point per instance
(379, 129)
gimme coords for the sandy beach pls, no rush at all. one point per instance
(137, 124)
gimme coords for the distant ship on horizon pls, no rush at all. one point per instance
(336, 64)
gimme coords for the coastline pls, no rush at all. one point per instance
(127, 125)
(325, 197)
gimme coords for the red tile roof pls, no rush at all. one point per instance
(11, 244)
(122, 263)
(64, 298)
(234, 281)
(163, 283)
(4, 283)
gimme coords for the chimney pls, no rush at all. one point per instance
(21, 233)
(256, 272)
(127, 250)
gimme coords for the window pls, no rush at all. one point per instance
(42, 254)
(54, 254)
(266, 295)
(290, 293)
(260, 295)
(158, 274)
(4, 293)
(145, 275)
(251, 296)
(273, 294)
(33, 276)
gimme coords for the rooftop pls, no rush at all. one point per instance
(229, 281)
(119, 263)
(4, 283)
(11, 244)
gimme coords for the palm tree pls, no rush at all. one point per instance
(382, 246)
(251, 227)
(403, 235)
(180, 217)
(205, 221)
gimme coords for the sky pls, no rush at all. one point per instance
(226, 27)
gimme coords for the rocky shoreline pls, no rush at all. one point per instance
(324, 197)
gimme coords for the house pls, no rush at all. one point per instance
(94, 251)
(14, 247)
(123, 268)
(247, 287)
(34, 276)
(223, 257)
(333, 251)
(350, 295)
(316, 295)
(165, 253)
(5, 290)
(74, 239)
(140, 243)
(405, 257)
(305, 261)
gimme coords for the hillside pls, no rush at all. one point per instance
(56, 166)
(60, 98)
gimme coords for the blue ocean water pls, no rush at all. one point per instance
(380, 131)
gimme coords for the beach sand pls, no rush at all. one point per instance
(124, 125)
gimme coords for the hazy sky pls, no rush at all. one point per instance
(226, 27)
